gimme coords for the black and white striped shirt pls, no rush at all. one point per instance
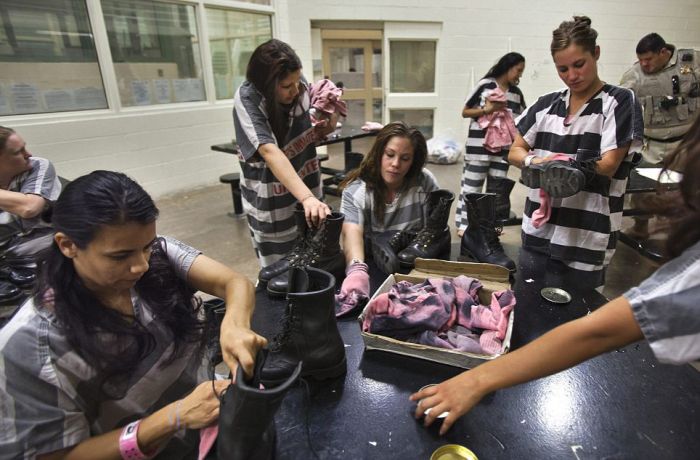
(475, 142)
(268, 203)
(583, 229)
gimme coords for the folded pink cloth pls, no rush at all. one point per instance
(541, 215)
(207, 437)
(499, 125)
(325, 98)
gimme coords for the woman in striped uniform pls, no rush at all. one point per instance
(479, 162)
(277, 149)
(588, 120)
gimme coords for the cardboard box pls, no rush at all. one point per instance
(493, 278)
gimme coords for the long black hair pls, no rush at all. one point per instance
(270, 63)
(84, 208)
(504, 64)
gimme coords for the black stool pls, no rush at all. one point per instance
(235, 181)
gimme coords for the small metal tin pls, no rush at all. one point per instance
(453, 452)
(555, 295)
(427, 411)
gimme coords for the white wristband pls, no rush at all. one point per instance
(528, 160)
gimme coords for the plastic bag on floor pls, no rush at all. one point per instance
(443, 149)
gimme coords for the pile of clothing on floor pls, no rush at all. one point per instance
(442, 312)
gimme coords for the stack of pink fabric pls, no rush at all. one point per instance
(325, 99)
(441, 312)
(499, 126)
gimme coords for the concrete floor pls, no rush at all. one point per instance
(199, 217)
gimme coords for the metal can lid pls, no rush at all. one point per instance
(555, 295)
(453, 452)
(427, 411)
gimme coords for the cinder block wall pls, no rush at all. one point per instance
(167, 149)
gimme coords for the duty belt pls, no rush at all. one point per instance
(667, 140)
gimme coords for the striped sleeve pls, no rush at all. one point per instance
(475, 99)
(667, 309)
(352, 203)
(180, 255)
(527, 121)
(626, 125)
(428, 181)
(250, 121)
(42, 180)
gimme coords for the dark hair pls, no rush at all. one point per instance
(270, 63)
(576, 32)
(370, 170)
(85, 207)
(654, 43)
(682, 206)
(5, 134)
(504, 64)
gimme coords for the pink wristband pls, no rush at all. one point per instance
(129, 443)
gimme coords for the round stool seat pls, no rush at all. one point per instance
(230, 178)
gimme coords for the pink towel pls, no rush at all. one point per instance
(207, 437)
(542, 214)
(499, 126)
(325, 98)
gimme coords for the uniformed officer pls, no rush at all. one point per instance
(665, 81)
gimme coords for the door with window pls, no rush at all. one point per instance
(356, 64)
(410, 89)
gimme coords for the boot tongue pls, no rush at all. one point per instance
(298, 280)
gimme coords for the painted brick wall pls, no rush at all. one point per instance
(477, 32)
(168, 150)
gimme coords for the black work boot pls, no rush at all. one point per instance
(9, 292)
(309, 331)
(501, 186)
(298, 250)
(386, 247)
(560, 179)
(246, 415)
(434, 239)
(480, 239)
(321, 250)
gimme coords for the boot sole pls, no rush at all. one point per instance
(562, 181)
(467, 253)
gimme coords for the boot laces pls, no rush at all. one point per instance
(492, 234)
(309, 248)
(282, 337)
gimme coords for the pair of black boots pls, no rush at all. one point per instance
(394, 250)
(309, 345)
(314, 247)
(13, 279)
(480, 239)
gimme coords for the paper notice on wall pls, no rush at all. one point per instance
(162, 91)
(196, 89)
(5, 108)
(59, 100)
(141, 92)
(90, 97)
(181, 89)
(26, 98)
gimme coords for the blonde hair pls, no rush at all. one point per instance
(576, 32)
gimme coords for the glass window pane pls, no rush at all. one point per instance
(376, 64)
(48, 58)
(233, 36)
(418, 118)
(377, 110)
(356, 113)
(412, 67)
(348, 66)
(155, 49)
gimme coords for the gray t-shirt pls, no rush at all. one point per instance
(40, 180)
(50, 398)
(407, 212)
(667, 309)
